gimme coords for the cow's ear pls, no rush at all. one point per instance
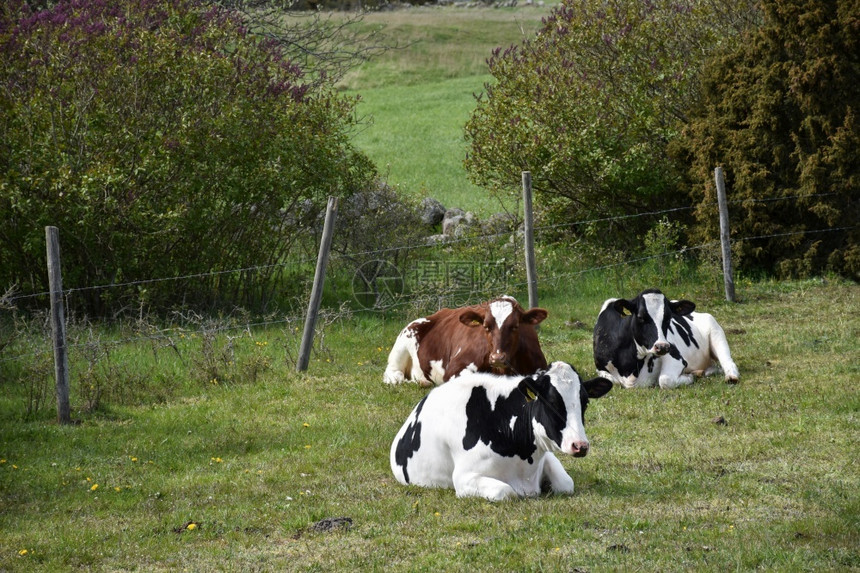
(682, 307)
(597, 387)
(533, 386)
(534, 316)
(526, 388)
(472, 318)
(621, 305)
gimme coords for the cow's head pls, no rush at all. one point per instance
(559, 398)
(651, 317)
(501, 320)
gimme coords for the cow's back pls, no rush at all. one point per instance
(424, 450)
(447, 346)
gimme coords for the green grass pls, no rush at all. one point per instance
(416, 140)
(417, 99)
(256, 464)
(228, 437)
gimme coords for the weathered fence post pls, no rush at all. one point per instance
(725, 241)
(528, 214)
(58, 325)
(316, 292)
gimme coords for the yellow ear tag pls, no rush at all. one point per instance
(530, 395)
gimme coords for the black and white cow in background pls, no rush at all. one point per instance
(495, 436)
(651, 340)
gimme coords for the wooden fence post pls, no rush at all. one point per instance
(528, 214)
(725, 241)
(316, 292)
(58, 325)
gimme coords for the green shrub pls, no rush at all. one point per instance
(589, 104)
(163, 140)
(780, 113)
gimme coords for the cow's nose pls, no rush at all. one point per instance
(498, 359)
(580, 449)
(661, 348)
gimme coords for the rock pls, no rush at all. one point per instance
(431, 211)
(499, 224)
(331, 523)
(456, 221)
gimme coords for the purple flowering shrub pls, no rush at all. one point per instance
(163, 140)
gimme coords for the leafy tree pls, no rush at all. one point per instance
(780, 113)
(325, 44)
(163, 139)
(589, 104)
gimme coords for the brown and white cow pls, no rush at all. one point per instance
(497, 336)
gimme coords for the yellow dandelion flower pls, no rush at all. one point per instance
(133, 459)
(306, 425)
(307, 447)
(23, 552)
(191, 526)
(95, 487)
(117, 489)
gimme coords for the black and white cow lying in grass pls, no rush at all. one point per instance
(651, 340)
(495, 436)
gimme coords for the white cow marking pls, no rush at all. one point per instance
(437, 372)
(501, 310)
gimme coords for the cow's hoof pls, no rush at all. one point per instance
(732, 380)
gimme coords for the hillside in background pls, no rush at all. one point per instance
(416, 100)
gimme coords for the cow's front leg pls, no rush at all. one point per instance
(554, 473)
(471, 484)
(674, 380)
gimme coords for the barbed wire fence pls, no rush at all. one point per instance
(423, 284)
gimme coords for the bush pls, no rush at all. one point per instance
(589, 104)
(780, 113)
(163, 140)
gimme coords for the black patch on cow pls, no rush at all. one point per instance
(492, 423)
(613, 342)
(685, 330)
(676, 354)
(410, 441)
(653, 359)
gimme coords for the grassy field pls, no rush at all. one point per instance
(228, 475)
(211, 453)
(417, 99)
